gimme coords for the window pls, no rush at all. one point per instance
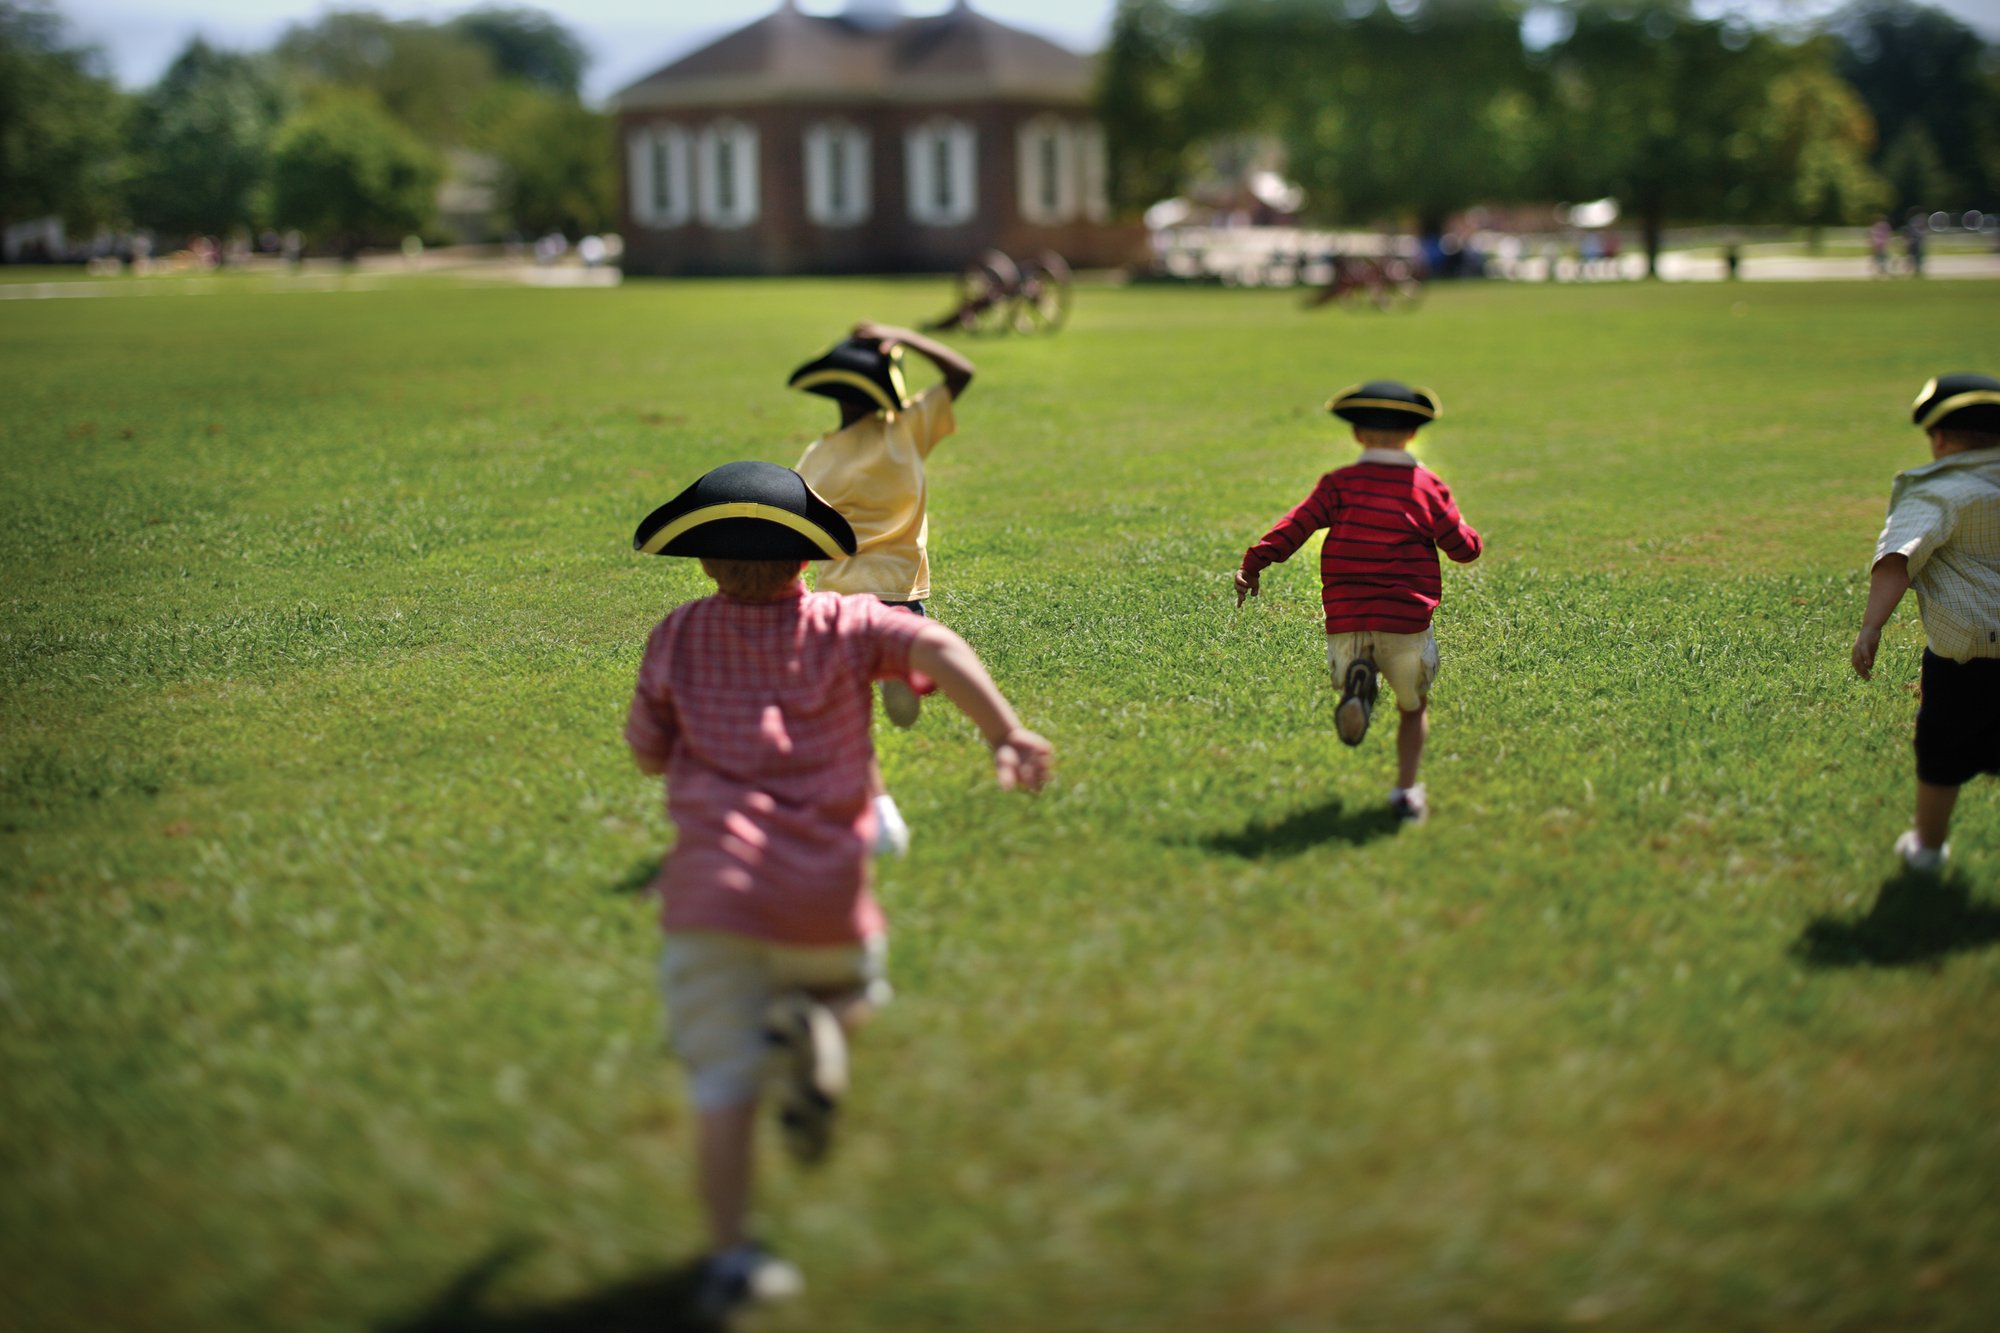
(1095, 172)
(658, 167)
(728, 156)
(1047, 171)
(837, 176)
(940, 159)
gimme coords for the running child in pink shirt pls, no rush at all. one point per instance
(755, 703)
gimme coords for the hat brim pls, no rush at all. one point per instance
(740, 530)
(1377, 413)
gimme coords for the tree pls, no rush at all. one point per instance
(528, 45)
(1149, 65)
(1930, 83)
(343, 171)
(1817, 139)
(202, 142)
(1662, 110)
(556, 155)
(1426, 111)
(425, 76)
(61, 124)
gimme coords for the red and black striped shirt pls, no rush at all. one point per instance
(1386, 519)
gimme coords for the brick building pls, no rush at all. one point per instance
(868, 142)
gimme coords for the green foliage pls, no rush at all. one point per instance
(1818, 138)
(424, 75)
(557, 157)
(202, 142)
(61, 123)
(1148, 66)
(326, 988)
(1933, 87)
(344, 171)
(528, 45)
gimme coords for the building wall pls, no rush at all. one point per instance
(783, 239)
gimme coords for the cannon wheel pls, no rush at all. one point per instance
(985, 291)
(1043, 302)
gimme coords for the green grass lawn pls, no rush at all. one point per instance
(326, 982)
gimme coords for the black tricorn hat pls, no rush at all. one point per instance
(747, 511)
(857, 371)
(1959, 402)
(1386, 405)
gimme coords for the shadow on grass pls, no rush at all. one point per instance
(638, 879)
(1303, 830)
(1916, 919)
(661, 1302)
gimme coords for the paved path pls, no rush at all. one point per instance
(365, 279)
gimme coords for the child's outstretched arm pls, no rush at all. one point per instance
(1288, 535)
(1887, 583)
(1020, 757)
(957, 371)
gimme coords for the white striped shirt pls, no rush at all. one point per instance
(1945, 518)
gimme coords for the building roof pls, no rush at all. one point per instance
(788, 56)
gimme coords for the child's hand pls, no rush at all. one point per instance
(869, 331)
(1246, 586)
(1022, 759)
(1863, 656)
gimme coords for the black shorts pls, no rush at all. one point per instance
(918, 607)
(1958, 720)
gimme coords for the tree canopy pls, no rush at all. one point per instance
(61, 120)
(1415, 109)
(202, 139)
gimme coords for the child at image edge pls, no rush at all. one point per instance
(1943, 539)
(755, 703)
(1387, 517)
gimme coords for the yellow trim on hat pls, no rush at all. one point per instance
(862, 382)
(1338, 401)
(805, 527)
(1970, 398)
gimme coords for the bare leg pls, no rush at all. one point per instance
(851, 1009)
(876, 786)
(722, 1167)
(1411, 729)
(1934, 807)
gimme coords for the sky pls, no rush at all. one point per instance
(628, 39)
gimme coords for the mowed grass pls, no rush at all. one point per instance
(326, 974)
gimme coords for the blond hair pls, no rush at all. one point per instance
(753, 580)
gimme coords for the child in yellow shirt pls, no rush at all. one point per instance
(871, 469)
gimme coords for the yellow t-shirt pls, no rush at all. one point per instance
(873, 473)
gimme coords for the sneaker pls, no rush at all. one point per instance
(1924, 860)
(1357, 701)
(1409, 804)
(810, 1066)
(901, 703)
(746, 1276)
(892, 835)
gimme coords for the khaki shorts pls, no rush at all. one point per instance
(1409, 662)
(717, 987)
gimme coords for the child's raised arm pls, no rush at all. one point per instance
(1020, 757)
(957, 371)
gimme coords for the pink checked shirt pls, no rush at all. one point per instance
(760, 712)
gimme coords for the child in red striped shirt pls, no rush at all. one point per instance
(1386, 517)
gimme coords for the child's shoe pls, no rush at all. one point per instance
(1409, 804)
(811, 1070)
(1357, 701)
(1924, 860)
(892, 835)
(901, 703)
(739, 1278)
